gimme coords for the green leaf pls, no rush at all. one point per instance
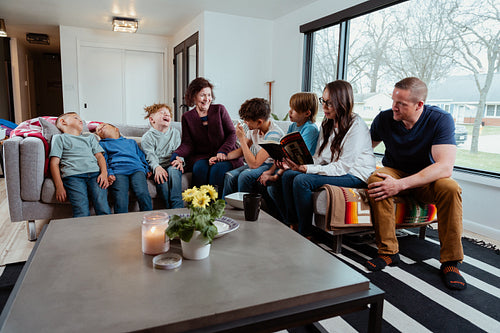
(186, 234)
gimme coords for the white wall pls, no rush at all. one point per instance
(237, 58)
(71, 37)
(480, 203)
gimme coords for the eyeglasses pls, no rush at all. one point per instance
(325, 102)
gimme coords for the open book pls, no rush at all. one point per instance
(292, 146)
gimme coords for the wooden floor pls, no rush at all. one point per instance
(14, 244)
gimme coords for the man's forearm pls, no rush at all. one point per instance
(426, 176)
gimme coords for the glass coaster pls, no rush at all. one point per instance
(167, 261)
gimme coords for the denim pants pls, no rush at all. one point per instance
(206, 174)
(297, 190)
(80, 188)
(445, 193)
(171, 190)
(120, 189)
(275, 192)
(243, 179)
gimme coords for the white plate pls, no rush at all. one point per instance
(224, 225)
(235, 199)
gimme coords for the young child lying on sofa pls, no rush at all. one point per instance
(127, 168)
(78, 167)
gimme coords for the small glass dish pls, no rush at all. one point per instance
(167, 261)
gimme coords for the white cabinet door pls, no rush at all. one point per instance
(143, 84)
(115, 84)
(101, 84)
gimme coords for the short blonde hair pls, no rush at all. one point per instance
(63, 116)
(417, 88)
(305, 101)
(152, 109)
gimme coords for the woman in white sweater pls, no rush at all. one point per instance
(343, 157)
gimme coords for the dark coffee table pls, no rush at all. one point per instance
(89, 274)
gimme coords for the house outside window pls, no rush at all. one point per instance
(375, 44)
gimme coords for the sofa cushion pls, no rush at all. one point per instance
(49, 128)
(32, 157)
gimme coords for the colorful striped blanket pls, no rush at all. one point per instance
(349, 207)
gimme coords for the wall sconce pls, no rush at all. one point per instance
(123, 24)
(3, 31)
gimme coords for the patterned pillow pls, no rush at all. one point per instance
(49, 128)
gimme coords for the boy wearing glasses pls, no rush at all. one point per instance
(256, 114)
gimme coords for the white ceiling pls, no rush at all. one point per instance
(158, 17)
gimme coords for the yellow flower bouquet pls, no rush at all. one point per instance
(204, 209)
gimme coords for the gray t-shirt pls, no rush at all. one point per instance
(159, 146)
(76, 153)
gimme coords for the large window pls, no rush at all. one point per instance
(452, 45)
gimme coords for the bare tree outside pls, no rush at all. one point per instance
(370, 38)
(325, 58)
(476, 27)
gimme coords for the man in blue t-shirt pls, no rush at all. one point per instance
(420, 152)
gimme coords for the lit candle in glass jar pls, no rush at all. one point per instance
(154, 239)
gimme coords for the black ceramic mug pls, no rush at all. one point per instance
(251, 205)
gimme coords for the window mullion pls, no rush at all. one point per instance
(343, 50)
(308, 59)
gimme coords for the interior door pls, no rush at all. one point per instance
(186, 63)
(144, 84)
(101, 84)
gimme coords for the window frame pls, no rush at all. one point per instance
(343, 18)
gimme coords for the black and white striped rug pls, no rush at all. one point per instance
(416, 299)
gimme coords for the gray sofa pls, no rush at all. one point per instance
(31, 196)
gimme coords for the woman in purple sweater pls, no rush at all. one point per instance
(207, 131)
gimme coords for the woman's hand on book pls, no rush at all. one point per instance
(294, 166)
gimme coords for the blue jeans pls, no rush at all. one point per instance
(274, 190)
(205, 174)
(120, 188)
(171, 190)
(80, 188)
(297, 190)
(243, 179)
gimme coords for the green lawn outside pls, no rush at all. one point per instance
(480, 161)
(486, 130)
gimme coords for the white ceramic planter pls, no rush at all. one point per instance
(197, 248)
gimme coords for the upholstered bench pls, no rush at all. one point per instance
(340, 211)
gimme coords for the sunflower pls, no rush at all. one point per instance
(210, 190)
(189, 194)
(201, 200)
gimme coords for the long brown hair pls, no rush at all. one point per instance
(342, 100)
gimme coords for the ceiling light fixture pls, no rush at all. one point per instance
(3, 32)
(123, 24)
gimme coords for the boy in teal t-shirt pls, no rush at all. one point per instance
(78, 167)
(303, 110)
